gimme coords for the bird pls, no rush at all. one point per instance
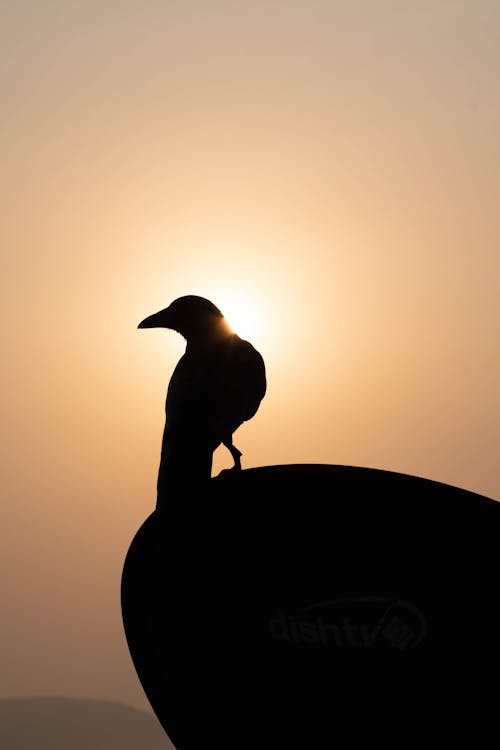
(217, 385)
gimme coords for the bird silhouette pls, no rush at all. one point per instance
(217, 385)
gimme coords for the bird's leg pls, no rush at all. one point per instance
(235, 453)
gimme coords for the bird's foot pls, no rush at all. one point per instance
(235, 453)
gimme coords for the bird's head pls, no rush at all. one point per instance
(195, 318)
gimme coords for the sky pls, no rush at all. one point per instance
(327, 173)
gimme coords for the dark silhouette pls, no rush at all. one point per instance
(216, 386)
(304, 606)
(319, 606)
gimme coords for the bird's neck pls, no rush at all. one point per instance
(206, 341)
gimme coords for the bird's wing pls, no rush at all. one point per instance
(210, 396)
(241, 381)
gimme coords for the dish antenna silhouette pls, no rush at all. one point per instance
(306, 605)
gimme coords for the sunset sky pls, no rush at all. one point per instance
(328, 173)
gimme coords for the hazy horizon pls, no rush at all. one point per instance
(56, 723)
(327, 173)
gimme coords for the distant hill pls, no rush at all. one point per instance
(62, 723)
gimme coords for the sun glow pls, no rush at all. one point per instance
(244, 317)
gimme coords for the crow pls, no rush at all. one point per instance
(217, 385)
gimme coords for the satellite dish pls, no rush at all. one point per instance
(303, 605)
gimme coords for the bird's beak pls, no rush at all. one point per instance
(160, 319)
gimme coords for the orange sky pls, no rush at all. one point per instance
(333, 165)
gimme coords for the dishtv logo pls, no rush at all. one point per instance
(353, 622)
